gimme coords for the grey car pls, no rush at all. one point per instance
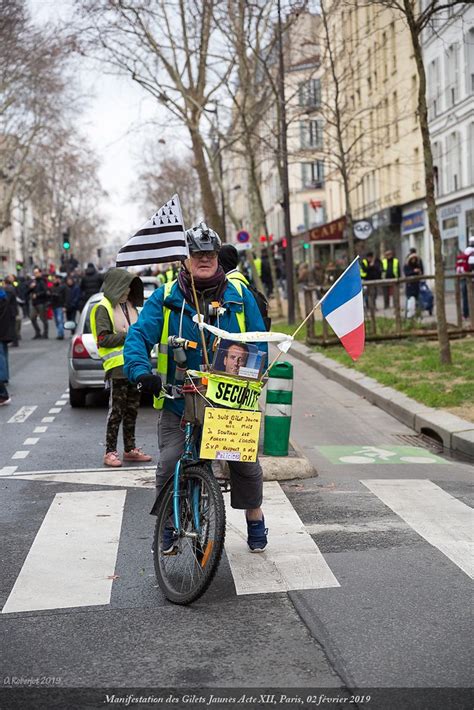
(86, 373)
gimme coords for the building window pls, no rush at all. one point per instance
(452, 75)
(309, 93)
(434, 88)
(396, 132)
(311, 133)
(393, 47)
(453, 162)
(312, 175)
(469, 54)
(471, 153)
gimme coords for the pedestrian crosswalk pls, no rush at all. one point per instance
(72, 560)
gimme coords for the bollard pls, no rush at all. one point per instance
(278, 410)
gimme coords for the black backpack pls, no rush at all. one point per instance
(262, 304)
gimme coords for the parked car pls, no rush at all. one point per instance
(86, 373)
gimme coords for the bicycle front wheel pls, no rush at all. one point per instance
(186, 563)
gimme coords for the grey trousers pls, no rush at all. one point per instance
(246, 479)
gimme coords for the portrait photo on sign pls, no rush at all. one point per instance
(239, 359)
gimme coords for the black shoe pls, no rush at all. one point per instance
(36, 337)
(60, 337)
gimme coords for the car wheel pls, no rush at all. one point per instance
(77, 398)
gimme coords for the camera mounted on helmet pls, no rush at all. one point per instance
(202, 238)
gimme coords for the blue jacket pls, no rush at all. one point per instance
(146, 332)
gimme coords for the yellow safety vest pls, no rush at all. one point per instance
(396, 267)
(364, 265)
(162, 360)
(170, 276)
(111, 357)
(258, 266)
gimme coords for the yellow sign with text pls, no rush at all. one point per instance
(230, 435)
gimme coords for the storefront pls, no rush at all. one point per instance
(413, 228)
(321, 244)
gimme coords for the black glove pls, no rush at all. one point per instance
(150, 384)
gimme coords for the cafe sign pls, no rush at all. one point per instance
(330, 232)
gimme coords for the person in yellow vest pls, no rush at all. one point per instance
(390, 270)
(111, 319)
(169, 275)
(170, 311)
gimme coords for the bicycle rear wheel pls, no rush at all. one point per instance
(184, 574)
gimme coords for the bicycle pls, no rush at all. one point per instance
(190, 514)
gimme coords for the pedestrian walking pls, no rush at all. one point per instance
(370, 270)
(390, 270)
(11, 284)
(174, 304)
(58, 298)
(229, 259)
(110, 323)
(39, 303)
(465, 265)
(91, 283)
(73, 299)
(412, 267)
(8, 310)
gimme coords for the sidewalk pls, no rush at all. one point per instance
(456, 434)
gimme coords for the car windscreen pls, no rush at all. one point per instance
(87, 321)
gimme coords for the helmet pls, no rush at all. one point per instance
(202, 238)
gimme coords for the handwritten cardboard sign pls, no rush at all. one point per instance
(230, 434)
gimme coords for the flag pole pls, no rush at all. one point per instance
(296, 331)
(318, 305)
(196, 304)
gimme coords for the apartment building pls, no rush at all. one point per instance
(448, 51)
(374, 62)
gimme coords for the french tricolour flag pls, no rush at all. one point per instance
(343, 308)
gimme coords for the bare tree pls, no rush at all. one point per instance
(34, 96)
(155, 184)
(166, 48)
(416, 17)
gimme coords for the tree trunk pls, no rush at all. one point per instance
(209, 205)
(443, 337)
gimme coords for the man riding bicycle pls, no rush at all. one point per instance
(169, 311)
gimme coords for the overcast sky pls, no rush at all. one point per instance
(111, 121)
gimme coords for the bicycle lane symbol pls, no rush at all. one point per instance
(377, 454)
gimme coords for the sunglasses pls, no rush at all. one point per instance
(204, 255)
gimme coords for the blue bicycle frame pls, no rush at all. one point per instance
(189, 455)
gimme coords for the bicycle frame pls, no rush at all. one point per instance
(189, 455)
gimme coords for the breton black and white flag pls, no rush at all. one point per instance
(160, 239)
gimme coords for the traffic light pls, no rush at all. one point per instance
(306, 245)
(66, 242)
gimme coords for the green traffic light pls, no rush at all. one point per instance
(305, 246)
(66, 245)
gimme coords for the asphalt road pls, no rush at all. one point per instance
(390, 523)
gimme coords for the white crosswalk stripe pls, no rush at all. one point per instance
(71, 561)
(444, 521)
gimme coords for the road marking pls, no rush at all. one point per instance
(20, 454)
(441, 519)
(73, 556)
(31, 441)
(385, 454)
(48, 419)
(22, 415)
(292, 559)
(60, 402)
(40, 429)
(130, 478)
(8, 470)
(54, 410)
(374, 526)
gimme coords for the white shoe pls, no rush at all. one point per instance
(3, 402)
